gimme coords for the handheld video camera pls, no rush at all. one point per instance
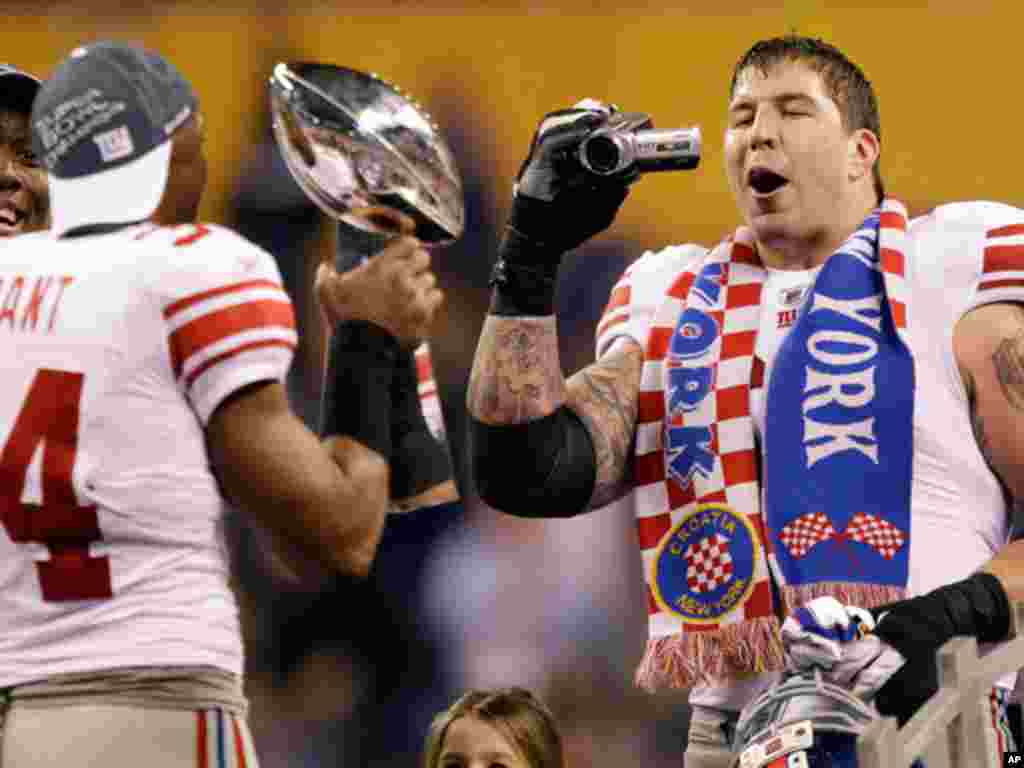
(629, 139)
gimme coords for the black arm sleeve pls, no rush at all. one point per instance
(541, 468)
(418, 460)
(357, 389)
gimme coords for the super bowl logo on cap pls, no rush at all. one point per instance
(114, 144)
(704, 566)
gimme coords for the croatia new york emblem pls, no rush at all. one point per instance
(704, 567)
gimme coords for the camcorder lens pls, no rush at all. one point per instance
(602, 154)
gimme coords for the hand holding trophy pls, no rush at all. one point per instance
(371, 158)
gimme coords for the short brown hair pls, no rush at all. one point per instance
(515, 712)
(845, 82)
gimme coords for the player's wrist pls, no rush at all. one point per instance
(370, 340)
(524, 277)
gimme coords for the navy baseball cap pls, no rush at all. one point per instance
(101, 126)
(18, 89)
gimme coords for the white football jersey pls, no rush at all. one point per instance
(959, 257)
(117, 350)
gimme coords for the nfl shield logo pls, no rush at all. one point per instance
(114, 144)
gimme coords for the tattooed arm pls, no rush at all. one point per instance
(517, 378)
(604, 395)
(989, 347)
(516, 374)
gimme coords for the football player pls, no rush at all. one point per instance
(871, 450)
(143, 393)
(24, 205)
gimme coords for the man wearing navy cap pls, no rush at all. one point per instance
(142, 389)
(24, 205)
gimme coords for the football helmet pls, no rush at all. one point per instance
(803, 721)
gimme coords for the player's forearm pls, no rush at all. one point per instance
(352, 517)
(604, 395)
(517, 375)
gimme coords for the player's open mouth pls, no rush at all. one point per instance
(765, 182)
(10, 219)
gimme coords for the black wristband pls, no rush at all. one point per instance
(418, 460)
(524, 277)
(357, 390)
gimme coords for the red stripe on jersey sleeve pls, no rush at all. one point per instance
(201, 757)
(619, 297)
(216, 326)
(184, 303)
(199, 232)
(424, 367)
(239, 744)
(1010, 282)
(1007, 231)
(207, 364)
(605, 324)
(1003, 258)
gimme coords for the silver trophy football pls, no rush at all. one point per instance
(361, 150)
(370, 157)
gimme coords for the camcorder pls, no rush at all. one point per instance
(629, 140)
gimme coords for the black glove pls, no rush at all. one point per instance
(918, 627)
(558, 205)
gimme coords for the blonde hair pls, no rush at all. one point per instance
(516, 713)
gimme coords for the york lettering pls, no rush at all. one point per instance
(867, 310)
(709, 283)
(848, 389)
(695, 333)
(689, 387)
(824, 440)
(688, 449)
(822, 346)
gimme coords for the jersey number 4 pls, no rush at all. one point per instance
(49, 416)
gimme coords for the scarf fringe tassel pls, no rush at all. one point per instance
(737, 650)
(740, 650)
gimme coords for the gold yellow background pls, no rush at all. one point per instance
(947, 75)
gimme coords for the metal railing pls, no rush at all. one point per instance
(949, 730)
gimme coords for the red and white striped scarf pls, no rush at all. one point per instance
(697, 525)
